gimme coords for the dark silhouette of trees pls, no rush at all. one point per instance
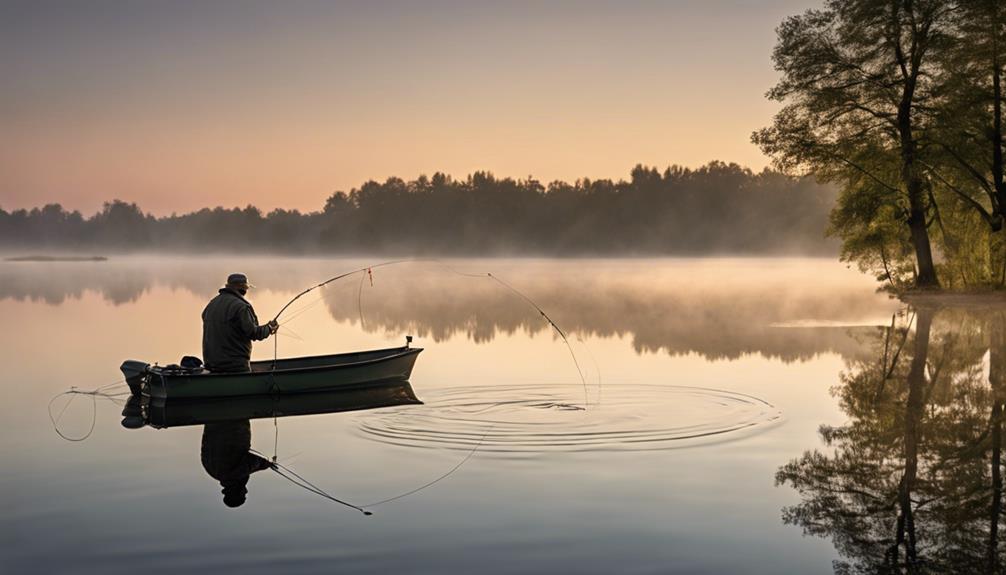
(718, 208)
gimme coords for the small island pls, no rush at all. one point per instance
(37, 258)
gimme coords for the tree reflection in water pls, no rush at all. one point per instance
(913, 482)
(791, 310)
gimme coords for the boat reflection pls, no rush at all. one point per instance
(164, 413)
(913, 483)
(225, 449)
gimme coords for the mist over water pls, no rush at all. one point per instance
(790, 308)
(702, 380)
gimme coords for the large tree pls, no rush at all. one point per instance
(856, 83)
(965, 150)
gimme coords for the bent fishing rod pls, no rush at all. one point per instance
(537, 308)
(332, 279)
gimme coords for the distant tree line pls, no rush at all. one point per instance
(718, 208)
(900, 103)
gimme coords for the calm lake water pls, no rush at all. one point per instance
(734, 416)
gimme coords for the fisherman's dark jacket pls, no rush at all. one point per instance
(229, 327)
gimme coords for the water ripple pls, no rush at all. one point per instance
(536, 418)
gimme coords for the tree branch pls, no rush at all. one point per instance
(986, 185)
(968, 199)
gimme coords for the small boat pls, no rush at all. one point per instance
(291, 375)
(162, 413)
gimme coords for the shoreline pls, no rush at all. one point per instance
(40, 258)
(955, 299)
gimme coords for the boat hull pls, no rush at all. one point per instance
(294, 375)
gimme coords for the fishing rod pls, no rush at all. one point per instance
(558, 329)
(520, 294)
(332, 279)
(296, 479)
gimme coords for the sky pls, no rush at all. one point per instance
(178, 105)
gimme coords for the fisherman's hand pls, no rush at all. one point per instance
(273, 326)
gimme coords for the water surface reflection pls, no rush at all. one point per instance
(543, 493)
(913, 483)
(225, 450)
(538, 419)
(722, 309)
(226, 457)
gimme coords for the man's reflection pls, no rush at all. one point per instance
(226, 458)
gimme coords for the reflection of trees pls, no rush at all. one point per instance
(675, 308)
(654, 318)
(913, 483)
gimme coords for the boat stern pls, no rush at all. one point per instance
(135, 373)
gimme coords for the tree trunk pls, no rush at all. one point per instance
(997, 373)
(999, 201)
(997, 127)
(915, 187)
(912, 181)
(905, 526)
(917, 225)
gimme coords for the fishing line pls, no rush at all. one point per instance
(282, 471)
(95, 393)
(369, 273)
(557, 329)
(290, 475)
(554, 325)
(597, 368)
(332, 279)
(291, 334)
(300, 311)
(438, 479)
(303, 483)
(359, 297)
(275, 439)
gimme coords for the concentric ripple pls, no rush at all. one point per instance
(535, 418)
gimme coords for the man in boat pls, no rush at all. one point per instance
(230, 326)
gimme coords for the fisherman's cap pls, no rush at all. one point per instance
(238, 279)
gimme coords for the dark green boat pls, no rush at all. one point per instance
(292, 375)
(159, 413)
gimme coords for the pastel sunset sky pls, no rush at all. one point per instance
(179, 105)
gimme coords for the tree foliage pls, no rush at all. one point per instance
(900, 104)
